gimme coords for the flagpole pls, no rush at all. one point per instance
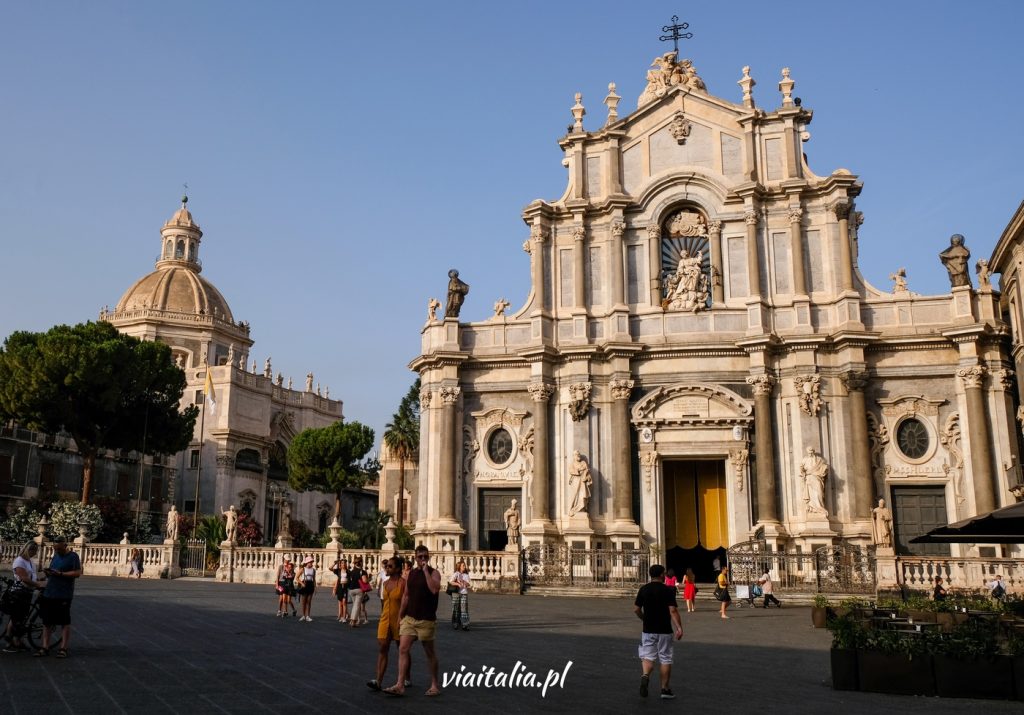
(199, 463)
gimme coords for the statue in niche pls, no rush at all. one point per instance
(813, 471)
(172, 524)
(881, 525)
(512, 521)
(432, 305)
(955, 260)
(457, 291)
(687, 288)
(581, 479)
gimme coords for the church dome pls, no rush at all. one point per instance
(175, 289)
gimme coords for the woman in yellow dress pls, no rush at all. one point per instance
(391, 592)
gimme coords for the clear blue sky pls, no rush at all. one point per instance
(341, 157)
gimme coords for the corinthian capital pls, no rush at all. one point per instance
(972, 376)
(425, 395)
(621, 389)
(762, 384)
(841, 209)
(796, 215)
(538, 234)
(750, 217)
(714, 226)
(618, 228)
(579, 233)
(854, 381)
(540, 391)
(450, 394)
(1003, 378)
(654, 231)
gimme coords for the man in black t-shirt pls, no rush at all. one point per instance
(655, 605)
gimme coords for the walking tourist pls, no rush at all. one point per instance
(670, 578)
(392, 590)
(356, 609)
(655, 605)
(939, 592)
(460, 599)
(285, 587)
(689, 590)
(418, 616)
(340, 590)
(20, 596)
(722, 590)
(55, 603)
(307, 581)
(767, 589)
(135, 560)
(997, 588)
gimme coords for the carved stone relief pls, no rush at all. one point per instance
(808, 388)
(739, 459)
(508, 463)
(951, 439)
(579, 403)
(648, 460)
(878, 438)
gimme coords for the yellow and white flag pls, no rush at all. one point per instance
(209, 395)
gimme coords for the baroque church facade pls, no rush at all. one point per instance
(699, 361)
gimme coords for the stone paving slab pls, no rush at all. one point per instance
(204, 647)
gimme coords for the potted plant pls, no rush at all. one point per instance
(968, 664)
(848, 634)
(895, 662)
(819, 611)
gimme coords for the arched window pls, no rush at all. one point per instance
(179, 249)
(191, 250)
(168, 249)
(249, 460)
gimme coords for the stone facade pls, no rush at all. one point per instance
(696, 324)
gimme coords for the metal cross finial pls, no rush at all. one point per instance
(184, 198)
(676, 35)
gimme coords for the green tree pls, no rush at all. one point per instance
(108, 390)
(327, 459)
(402, 438)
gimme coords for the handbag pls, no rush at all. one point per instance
(452, 589)
(365, 587)
(720, 593)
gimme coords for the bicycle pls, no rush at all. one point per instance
(33, 628)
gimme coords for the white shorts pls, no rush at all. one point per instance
(656, 647)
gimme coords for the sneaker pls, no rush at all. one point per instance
(667, 694)
(407, 684)
(373, 685)
(645, 682)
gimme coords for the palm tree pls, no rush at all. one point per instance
(402, 438)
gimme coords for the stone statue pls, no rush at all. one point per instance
(280, 380)
(512, 519)
(172, 524)
(267, 370)
(687, 288)
(231, 355)
(984, 275)
(668, 73)
(499, 307)
(286, 519)
(581, 479)
(432, 305)
(813, 470)
(179, 360)
(881, 528)
(457, 291)
(309, 382)
(899, 279)
(231, 519)
(955, 260)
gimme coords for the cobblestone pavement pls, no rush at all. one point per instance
(203, 647)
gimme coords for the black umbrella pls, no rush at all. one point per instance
(1002, 526)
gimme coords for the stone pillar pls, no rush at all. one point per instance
(797, 244)
(449, 454)
(715, 241)
(980, 436)
(540, 486)
(767, 508)
(535, 247)
(753, 265)
(622, 485)
(863, 497)
(615, 264)
(842, 211)
(579, 237)
(654, 249)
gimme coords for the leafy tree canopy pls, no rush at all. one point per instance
(327, 459)
(108, 390)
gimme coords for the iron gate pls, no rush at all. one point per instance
(193, 558)
(841, 568)
(844, 568)
(559, 565)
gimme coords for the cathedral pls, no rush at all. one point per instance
(700, 362)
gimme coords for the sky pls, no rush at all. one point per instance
(341, 157)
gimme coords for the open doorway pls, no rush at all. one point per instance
(696, 517)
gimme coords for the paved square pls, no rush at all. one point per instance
(203, 647)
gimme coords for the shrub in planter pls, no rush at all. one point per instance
(847, 636)
(967, 663)
(893, 662)
(819, 611)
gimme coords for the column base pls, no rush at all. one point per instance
(441, 535)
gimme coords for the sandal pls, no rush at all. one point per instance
(41, 653)
(432, 692)
(393, 691)
(62, 653)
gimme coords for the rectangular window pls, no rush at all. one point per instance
(634, 278)
(595, 281)
(193, 459)
(47, 478)
(565, 283)
(198, 398)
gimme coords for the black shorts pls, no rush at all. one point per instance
(342, 594)
(55, 611)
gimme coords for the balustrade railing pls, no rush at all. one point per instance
(158, 560)
(967, 573)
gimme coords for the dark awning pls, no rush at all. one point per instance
(1002, 526)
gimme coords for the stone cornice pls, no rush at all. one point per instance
(438, 359)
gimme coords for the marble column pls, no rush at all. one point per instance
(842, 211)
(715, 241)
(980, 436)
(654, 252)
(449, 453)
(797, 245)
(579, 249)
(767, 507)
(540, 485)
(535, 247)
(615, 263)
(753, 265)
(622, 484)
(863, 498)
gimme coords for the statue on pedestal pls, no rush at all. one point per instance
(580, 477)
(813, 471)
(457, 291)
(512, 521)
(231, 520)
(955, 260)
(172, 524)
(881, 525)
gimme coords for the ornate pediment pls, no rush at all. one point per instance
(665, 73)
(498, 416)
(692, 403)
(910, 405)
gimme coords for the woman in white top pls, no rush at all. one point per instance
(307, 579)
(25, 578)
(460, 600)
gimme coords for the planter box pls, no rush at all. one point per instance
(898, 674)
(979, 678)
(844, 669)
(1017, 664)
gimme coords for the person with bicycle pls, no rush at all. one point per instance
(55, 604)
(20, 598)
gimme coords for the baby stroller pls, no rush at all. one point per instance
(747, 593)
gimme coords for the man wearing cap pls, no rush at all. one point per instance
(418, 621)
(55, 603)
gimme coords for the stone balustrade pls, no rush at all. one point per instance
(967, 573)
(158, 560)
